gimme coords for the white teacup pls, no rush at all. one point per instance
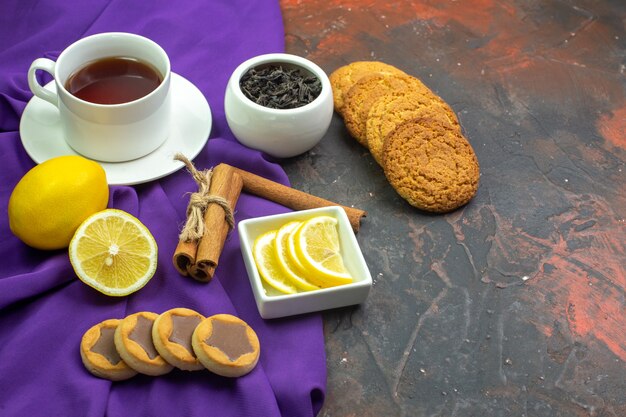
(108, 132)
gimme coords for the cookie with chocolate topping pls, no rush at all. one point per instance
(226, 345)
(99, 355)
(171, 334)
(133, 341)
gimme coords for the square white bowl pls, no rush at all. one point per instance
(274, 304)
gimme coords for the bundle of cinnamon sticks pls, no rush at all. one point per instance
(199, 258)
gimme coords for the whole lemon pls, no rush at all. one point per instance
(51, 200)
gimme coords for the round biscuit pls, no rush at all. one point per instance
(431, 165)
(135, 345)
(366, 92)
(214, 339)
(173, 351)
(94, 345)
(344, 77)
(389, 111)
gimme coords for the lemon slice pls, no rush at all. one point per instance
(319, 250)
(289, 268)
(291, 250)
(113, 252)
(264, 253)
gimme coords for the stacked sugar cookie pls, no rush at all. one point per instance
(410, 131)
(154, 344)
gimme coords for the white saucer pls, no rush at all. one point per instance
(42, 137)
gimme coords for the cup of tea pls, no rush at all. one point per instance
(113, 95)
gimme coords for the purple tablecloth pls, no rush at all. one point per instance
(45, 309)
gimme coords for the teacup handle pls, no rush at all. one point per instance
(47, 65)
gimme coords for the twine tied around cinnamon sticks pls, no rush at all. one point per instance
(211, 211)
(199, 201)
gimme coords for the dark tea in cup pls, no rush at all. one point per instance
(113, 80)
(112, 93)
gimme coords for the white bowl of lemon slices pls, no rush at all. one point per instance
(303, 261)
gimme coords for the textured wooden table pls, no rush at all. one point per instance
(515, 304)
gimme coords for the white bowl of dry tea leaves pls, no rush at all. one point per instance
(281, 104)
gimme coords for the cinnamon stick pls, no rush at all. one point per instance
(185, 256)
(225, 183)
(199, 258)
(292, 198)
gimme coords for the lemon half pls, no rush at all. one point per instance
(113, 252)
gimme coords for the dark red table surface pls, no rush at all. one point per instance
(515, 304)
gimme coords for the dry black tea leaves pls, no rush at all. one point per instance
(278, 88)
